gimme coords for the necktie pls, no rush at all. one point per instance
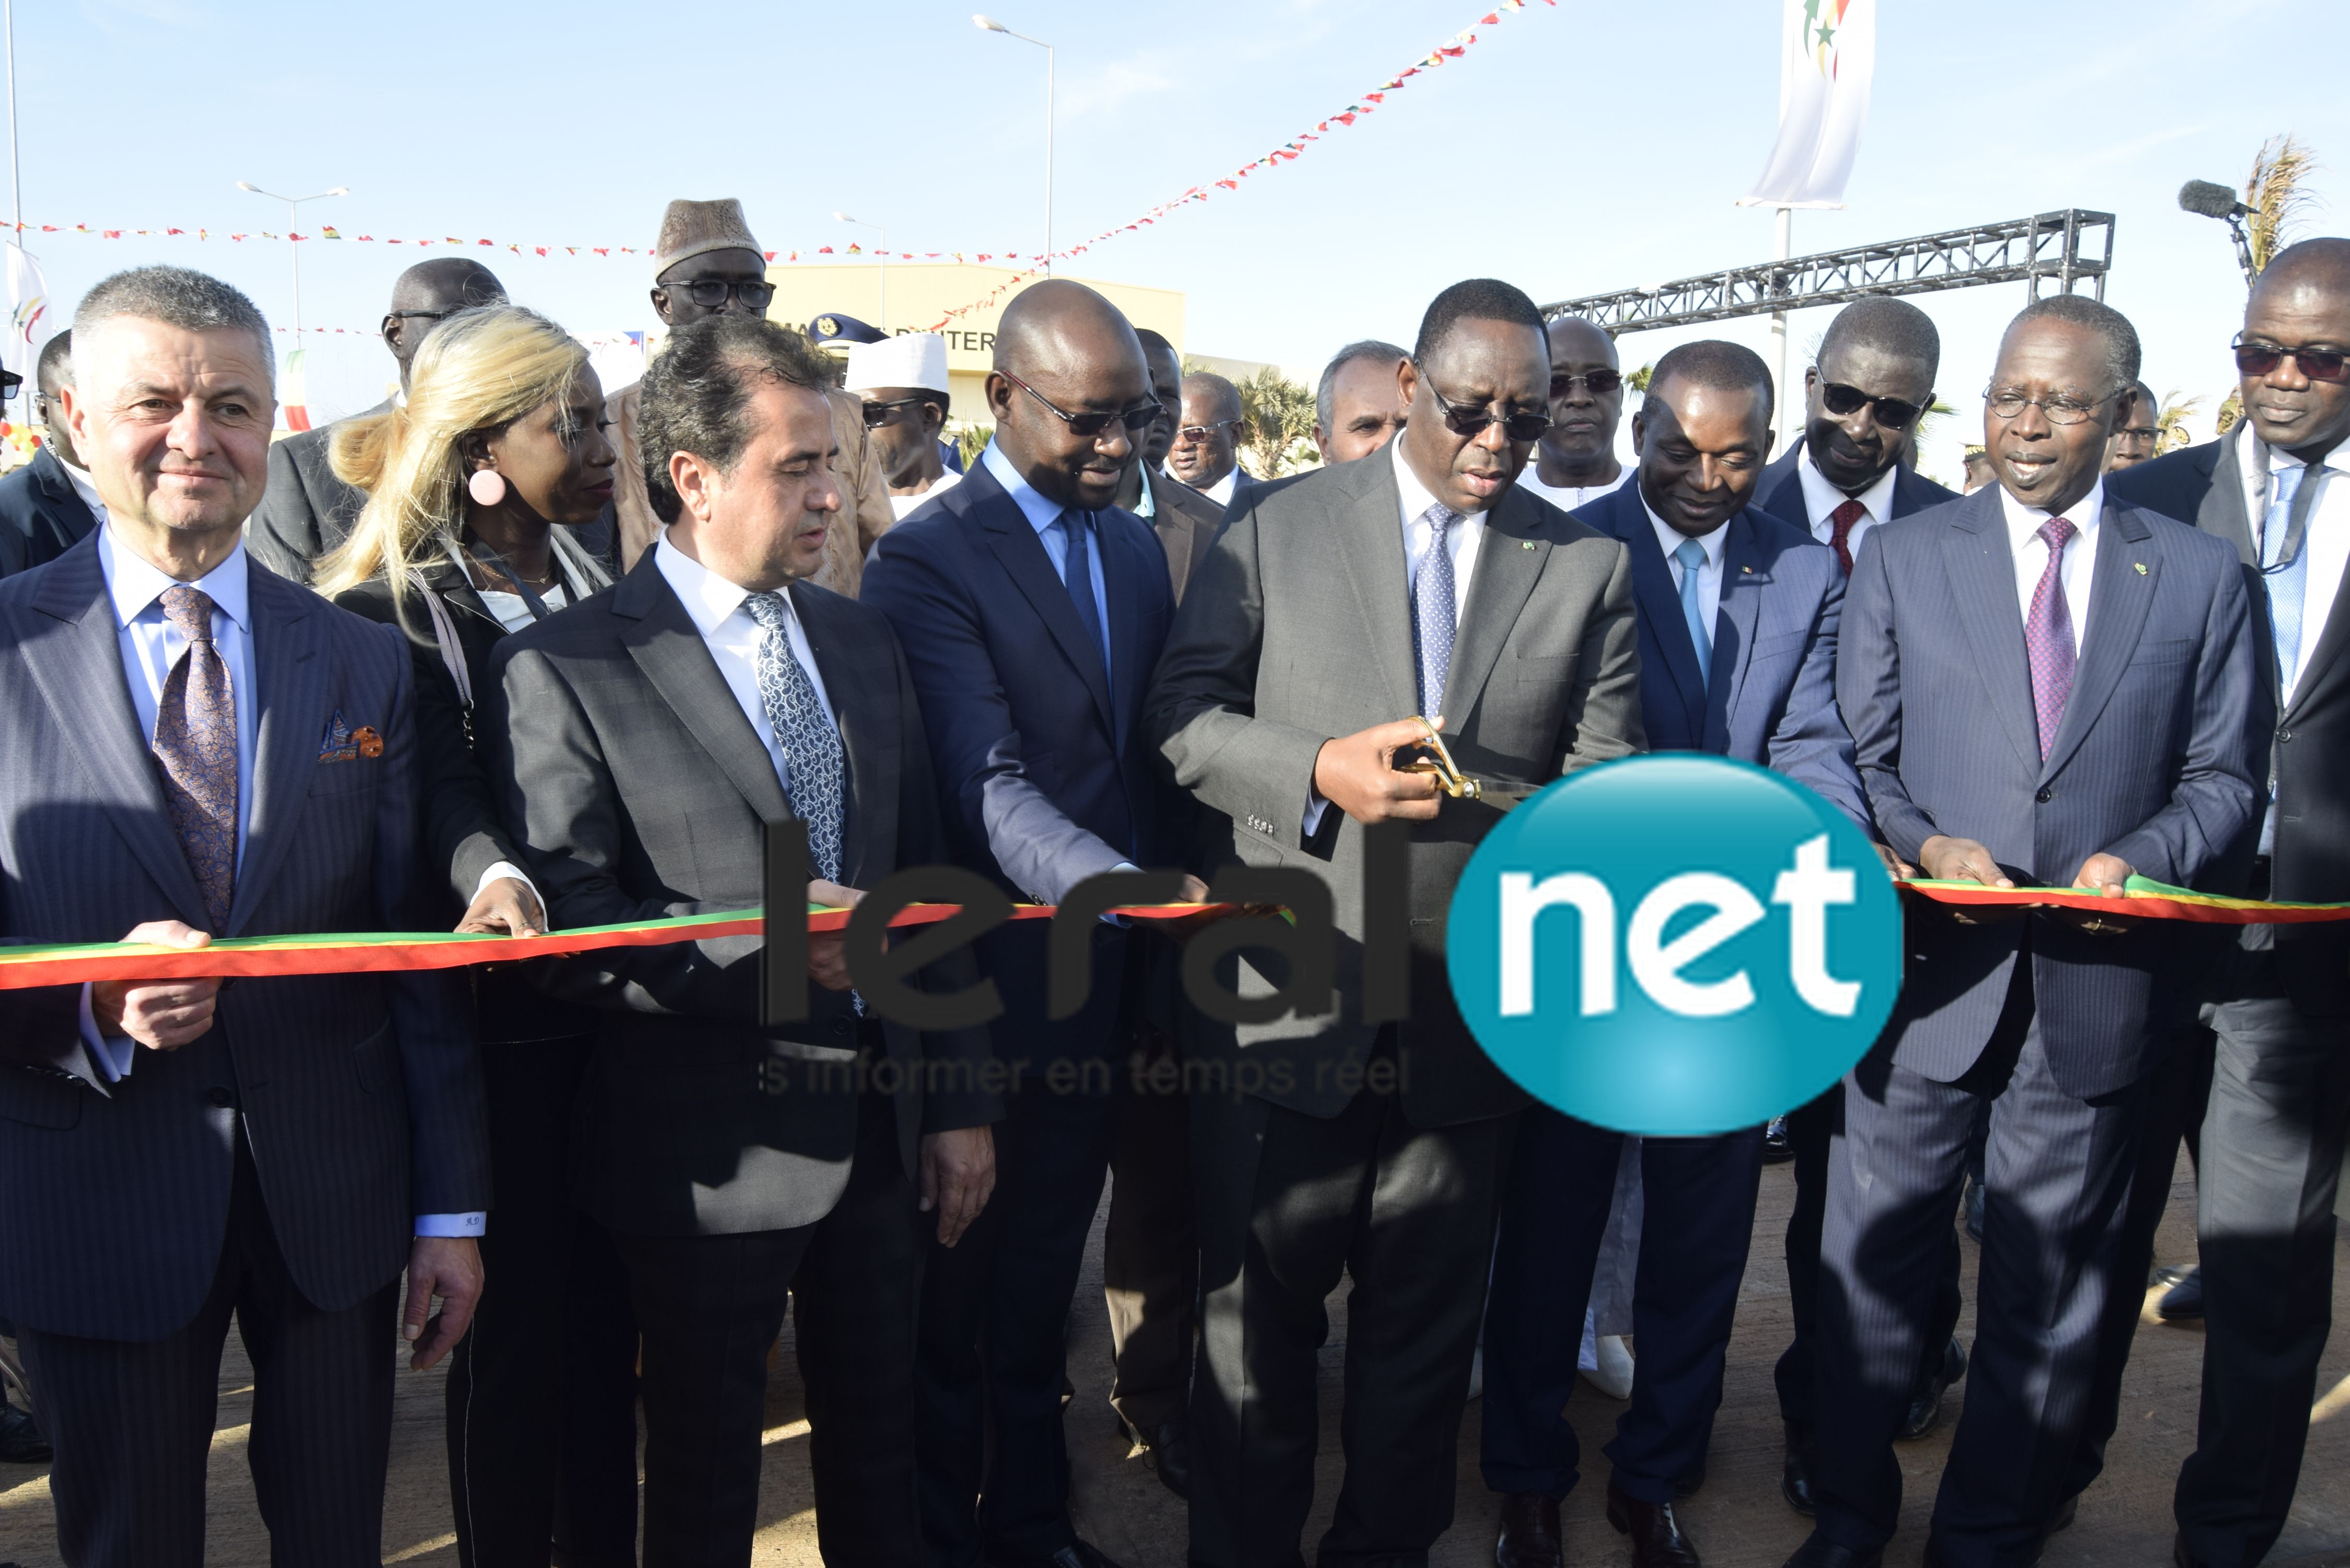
(2284, 566)
(2048, 636)
(1840, 526)
(1691, 555)
(195, 746)
(1432, 613)
(1078, 574)
(811, 746)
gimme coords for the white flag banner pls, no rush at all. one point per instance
(28, 313)
(1827, 52)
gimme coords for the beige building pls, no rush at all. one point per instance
(921, 293)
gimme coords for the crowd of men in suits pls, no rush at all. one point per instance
(1081, 660)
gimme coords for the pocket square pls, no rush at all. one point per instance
(341, 745)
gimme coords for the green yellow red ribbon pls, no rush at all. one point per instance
(2144, 899)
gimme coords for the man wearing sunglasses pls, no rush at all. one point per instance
(1332, 607)
(903, 381)
(706, 263)
(2275, 1004)
(1031, 611)
(1206, 454)
(1577, 464)
(307, 510)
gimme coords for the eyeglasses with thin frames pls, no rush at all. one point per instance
(2007, 403)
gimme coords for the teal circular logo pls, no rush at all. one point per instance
(1675, 945)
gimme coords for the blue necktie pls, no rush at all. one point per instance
(1691, 555)
(1077, 573)
(1433, 618)
(2284, 563)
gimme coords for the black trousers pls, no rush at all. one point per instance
(1287, 1202)
(709, 1308)
(1150, 1250)
(1810, 1130)
(1700, 1194)
(2272, 1162)
(542, 1395)
(132, 1423)
(2058, 1173)
(994, 1329)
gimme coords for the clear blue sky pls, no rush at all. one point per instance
(1577, 148)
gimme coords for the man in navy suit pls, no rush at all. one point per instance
(1032, 612)
(2043, 687)
(1737, 614)
(51, 503)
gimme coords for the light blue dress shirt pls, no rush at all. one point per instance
(1043, 514)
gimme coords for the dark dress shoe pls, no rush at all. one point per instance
(1778, 1148)
(21, 1442)
(1688, 1487)
(2183, 1301)
(1819, 1552)
(1925, 1397)
(1168, 1449)
(1657, 1538)
(1529, 1537)
(1076, 1554)
(1795, 1470)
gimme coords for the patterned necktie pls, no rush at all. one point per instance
(1432, 613)
(1840, 526)
(811, 746)
(2048, 636)
(1691, 555)
(2284, 566)
(196, 747)
(1077, 573)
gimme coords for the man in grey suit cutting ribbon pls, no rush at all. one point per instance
(2041, 688)
(1417, 579)
(197, 748)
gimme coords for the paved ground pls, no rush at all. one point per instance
(1737, 1519)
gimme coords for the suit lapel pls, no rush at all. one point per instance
(1022, 552)
(1982, 580)
(1122, 578)
(666, 645)
(81, 680)
(1511, 557)
(291, 679)
(1370, 541)
(1744, 575)
(2119, 596)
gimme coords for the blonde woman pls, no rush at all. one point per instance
(475, 488)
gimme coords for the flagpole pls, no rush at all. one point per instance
(1779, 330)
(15, 179)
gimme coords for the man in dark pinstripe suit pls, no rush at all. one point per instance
(197, 746)
(2041, 687)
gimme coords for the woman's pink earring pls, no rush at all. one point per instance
(487, 486)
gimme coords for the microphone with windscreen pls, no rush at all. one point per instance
(2208, 199)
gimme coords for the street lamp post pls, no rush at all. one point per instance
(293, 216)
(881, 254)
(989, 24)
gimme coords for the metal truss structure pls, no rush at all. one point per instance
(2061, 248)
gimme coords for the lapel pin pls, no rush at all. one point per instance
(1525, 543)
(2141, 568)
(1748, 570)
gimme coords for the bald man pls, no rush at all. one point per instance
(1576, 463)
(307, 510)
(1032, 610)
(1206, 454)
(2274, 1009)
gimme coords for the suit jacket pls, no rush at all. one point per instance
(307, 510)
(1186, 523)
(1781, 492)
(637, 789)
(41, 514)
(360, 1093)
(1044, 771)
(1297, 628)
(2301, 738)
(1770, 695)
(865, 510)
(2151, 763)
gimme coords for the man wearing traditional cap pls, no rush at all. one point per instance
(902, 382)
(705, 263)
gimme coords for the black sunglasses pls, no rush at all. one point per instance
(1136, 418)
(1890, 412)
(2317, 364)
(878, 414)
(710, 292)
(1472, 422)
(1601, 382)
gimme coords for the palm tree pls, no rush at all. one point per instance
(2232, 408)
(2277, 194)
(1277, 425)
(1639, 379)
(2171, 422)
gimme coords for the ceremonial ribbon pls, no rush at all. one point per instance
(2144, 899)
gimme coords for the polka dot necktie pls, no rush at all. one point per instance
(1840, 525)
(2048, 636)
(813, 768)
(195, 748)
(1432, 613)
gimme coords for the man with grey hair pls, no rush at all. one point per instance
(1358, 403)
(200, 749)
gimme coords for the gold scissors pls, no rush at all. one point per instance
(1499, 795)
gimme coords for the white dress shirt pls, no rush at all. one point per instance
(2079, 568)
(1568, 497)
(1220, 492)
(2327, 543)
(1708, 575)
(512, 611)
(1043, 511)
(151, 646)
(1820, 499)
(84, 486)
(732, 638)
(947, 480)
